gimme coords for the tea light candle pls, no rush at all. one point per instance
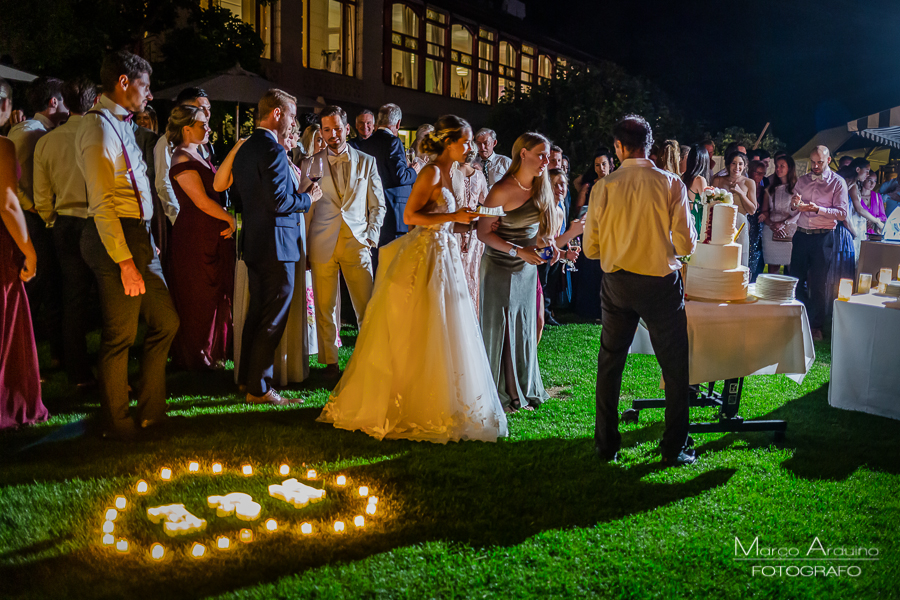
(217, 468)
(246, 536)
(165, 473)
(223, 543)
(311, 474)
(108, 527)
(111, 514)
(339, 526)
(247, 470)
(845, 289)
(108, 540)
(359, 521)
(885, 276)
(341, 480)
(363, 491)
(865, 283)
(284, 469)
(122, 546)
(142, 487)
(370, 509)
(271, 525)
(157, 551)
(198, 550)
(121, 502)
(306, 529)
(194, 467)
(373, 499)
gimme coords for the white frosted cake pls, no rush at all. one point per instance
(714, 271)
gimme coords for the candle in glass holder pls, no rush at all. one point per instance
(122, 546)
(311, 474)
(306, 529)
(217, 468)
(370, 509)
(121, 502)
(885, 275)
(108, 540)
(108, 527)
(373, 499)
(284, 469)
(247, 470)
(359, 521)
(194, 467)
(865, 283)
(111, 514)
(845, 289)
(165, 473)
(223, 543)
(246, 536)
(339, 526)
(271, 525)
(142, 487)
(363, 491)
(198, 550)
(157, 551)
(341, 480)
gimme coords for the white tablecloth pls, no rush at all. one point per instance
(864, 344)
(728, 341)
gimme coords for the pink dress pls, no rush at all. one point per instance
(470, 192)
(20, 380)
(875, 205)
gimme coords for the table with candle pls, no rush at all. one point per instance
(865, 341)
(874, 256)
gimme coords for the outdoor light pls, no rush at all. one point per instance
(223, 543)
(121, 502)
(246, 536)
(247, 470)
(271, 525)
(111, 514)
(359, 521)
(142, 487)
(339, 526)
(284, 470)
(341, 480)
(157, 551)
(363, 491)
(194, 467)
(311, 474)
(217, 468)
(165, 473)
(108, 527)
(198, 550)
(306, 528)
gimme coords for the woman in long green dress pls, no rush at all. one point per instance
(695, 178)
(508, 291)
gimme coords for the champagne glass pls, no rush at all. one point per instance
(315, 168)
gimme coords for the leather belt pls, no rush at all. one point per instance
(814, 231)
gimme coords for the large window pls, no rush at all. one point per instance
(435, 50)
(545, 67)
(264, 17)
(405, 43)
(508, 69)
(461, 62)
(330, 36)
(527, 67)
(486, 49)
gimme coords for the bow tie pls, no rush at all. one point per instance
(340, 158)
(128, 117)
(817, 177)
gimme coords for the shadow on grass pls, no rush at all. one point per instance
(473, 493)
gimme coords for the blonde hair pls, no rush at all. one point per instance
(542, 191)
(447, 130)
(670, 156)
(181, 116)
(307, 141)
(273, 99)
(421, 132)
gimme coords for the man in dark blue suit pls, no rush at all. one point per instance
(396, 175)
(266, 189)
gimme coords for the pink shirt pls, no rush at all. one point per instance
(827, 191)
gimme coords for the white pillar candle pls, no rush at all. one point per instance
(341, 480)
(223, 543)
(359, 521)
(198, 550)
(845, 289)
(373, 499)
(247, 470)
(306, 529)
(217, 468)
(311, 474)
(142, 487)
(121, 502)
(108, 527)
(157, 551)
(339, 526)
(165, 473)
(108, 540)
(370, 509)
(122, 546)
(194, 467)
(271, 524)
(111, 514)
(363, 491)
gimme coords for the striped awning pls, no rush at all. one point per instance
(882, 127)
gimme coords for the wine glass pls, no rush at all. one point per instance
(315, 168)
(570, 264)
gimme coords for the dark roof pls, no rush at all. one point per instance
(490, 15)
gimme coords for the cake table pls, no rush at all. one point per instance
(864, 344)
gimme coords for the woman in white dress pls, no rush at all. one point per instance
(470, 190)
(419, 370)
(744, 191)
(777, 231)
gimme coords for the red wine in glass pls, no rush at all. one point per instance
(315, 168)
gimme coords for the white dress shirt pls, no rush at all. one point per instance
(162, 157)
(110, 192)
(59, 187)
(495, 168)
(25, 136)
(639, 219)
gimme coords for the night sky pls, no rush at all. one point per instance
(802, 65)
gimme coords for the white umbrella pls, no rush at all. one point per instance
(15, 74)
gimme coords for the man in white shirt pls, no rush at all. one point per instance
(495, 165)
(638, 224)
(117, 245)
(45, 96)
(60, 198)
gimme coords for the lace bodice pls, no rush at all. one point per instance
(445, 204)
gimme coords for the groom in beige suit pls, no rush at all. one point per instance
(344, 226)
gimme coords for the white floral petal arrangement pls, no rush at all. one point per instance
(712, 194)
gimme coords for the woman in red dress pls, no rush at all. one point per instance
(202, 251)
(20, 380)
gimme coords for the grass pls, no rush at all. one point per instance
(535, 515)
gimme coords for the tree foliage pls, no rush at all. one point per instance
(578, 108)
(737, 134)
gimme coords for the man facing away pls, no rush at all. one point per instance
(495, 165)
(266, 186)
(117, 245)
(344, 228)
(820, 196)
(60, 198)
(396, 175)
(638, 223)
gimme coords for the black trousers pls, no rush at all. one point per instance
(811, 256)
(77, 282)
(121, 314)
(44, 290)
(625, 298)
(271, 290)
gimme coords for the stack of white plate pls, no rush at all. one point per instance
(893, 289)
(778, 288)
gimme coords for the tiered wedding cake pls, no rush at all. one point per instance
(714, 271)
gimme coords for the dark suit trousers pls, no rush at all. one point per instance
(120, 323)
(811, 256)
(625, 298)
(44, 288)
(77, 280)
(271, 290)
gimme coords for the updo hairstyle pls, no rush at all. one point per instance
(447, 130)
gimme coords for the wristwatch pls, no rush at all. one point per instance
(512, 251)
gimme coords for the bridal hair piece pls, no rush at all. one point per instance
(447, 130)
(542, 191)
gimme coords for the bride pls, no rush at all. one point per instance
(419, 370)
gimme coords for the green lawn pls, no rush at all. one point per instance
(535, 515)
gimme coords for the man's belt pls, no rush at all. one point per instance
(813, 231)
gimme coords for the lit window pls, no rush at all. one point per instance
(330, 35)
(405, 44)
(435, 51)
(507, 69)
(485, 64)
(461, 61)
(263, 17)
(527, 67)
(545, 67)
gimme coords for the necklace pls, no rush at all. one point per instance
(524, 189)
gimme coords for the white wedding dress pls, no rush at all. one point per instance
(419, 370)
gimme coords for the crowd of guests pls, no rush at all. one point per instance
(99, 209)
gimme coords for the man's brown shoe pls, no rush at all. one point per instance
(272, 397)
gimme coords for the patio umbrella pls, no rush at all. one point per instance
(15, 75)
